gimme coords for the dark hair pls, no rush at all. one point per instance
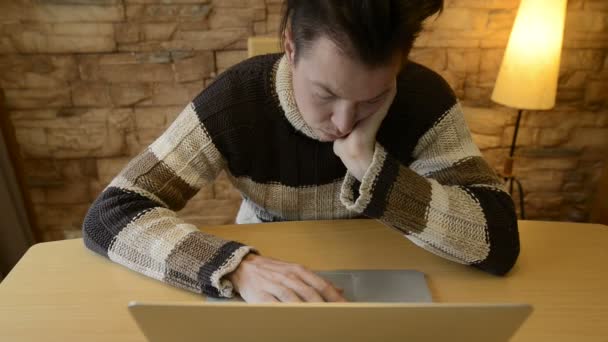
(371, 31)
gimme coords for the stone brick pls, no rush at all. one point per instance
(501, 19)
(127, 68)
(575, 4)
(150, 46)
(588, 21)
(224, 189)
(54, 235)
(259, 28)
(37, 71)
(548, 152)
(32, 141)
(273, 22)
(486, 141)
(464, 60)
(152, 117)
(48, 172)
(601, 5)
(489, 66)
(89, 133)
(495, 157)
(38, 98)
(449, 38)
(602, 119)
(523, 164)
(91, 94)
(108, 168)
(454, 79)
(435, 59)
(513, 4)
(172, 94)
(146, 136)
(193, 66)
(7, 46)
(488, 121)
(62, 11)
(127, 32)
(61, 216)
(461, 19)
(543, 199)
(572, 79)
(210, 212)
(127, 94)
(582, 59)
(276, 8)
(239, 3)
(573, 96)
(589, 137)
(63, 38)
(495, 39)
(158, 31)
(585, 40)
(478, 96)
(207, 40)
(72, 234)
(542, 180)
(68, 193)
(234, 17)
(596, 93)
(526, 136)
(553, 137)
(33, 114)
(226, 59)
(166, 2)
(167, 13)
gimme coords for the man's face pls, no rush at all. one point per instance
(333, 91)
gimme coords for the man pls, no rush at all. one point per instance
(341, 125)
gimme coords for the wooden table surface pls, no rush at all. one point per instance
(60, 291)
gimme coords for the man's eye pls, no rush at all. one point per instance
(325, 97)
(375, 101)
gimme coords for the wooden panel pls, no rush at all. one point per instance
(263, 45)
(599, 211)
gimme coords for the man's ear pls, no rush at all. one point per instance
(289, 46)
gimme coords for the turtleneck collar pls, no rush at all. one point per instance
(284, 89)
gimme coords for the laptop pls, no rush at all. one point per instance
(380, 286)
(384, 305)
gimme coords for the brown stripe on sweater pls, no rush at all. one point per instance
(471, 170)
(188, 257)
(155, 174)
(408, 200)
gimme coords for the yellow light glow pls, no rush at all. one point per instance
(530, 67)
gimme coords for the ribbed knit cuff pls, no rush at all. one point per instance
(374, 186)
(227, 259)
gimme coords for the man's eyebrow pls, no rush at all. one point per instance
(330, 92)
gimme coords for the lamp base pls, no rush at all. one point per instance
(510, 180)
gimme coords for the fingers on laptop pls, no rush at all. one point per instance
(326, 290)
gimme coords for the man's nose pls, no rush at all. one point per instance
(344, 118)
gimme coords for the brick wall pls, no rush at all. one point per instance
(90, 83)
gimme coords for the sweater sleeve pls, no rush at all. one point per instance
(133, 221)
(448, 200)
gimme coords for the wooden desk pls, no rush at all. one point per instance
(59, 291)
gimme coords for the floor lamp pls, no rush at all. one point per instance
(528, 75)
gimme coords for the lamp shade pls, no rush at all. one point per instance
(530, 67)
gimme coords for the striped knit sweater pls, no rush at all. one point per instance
(427, 179)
